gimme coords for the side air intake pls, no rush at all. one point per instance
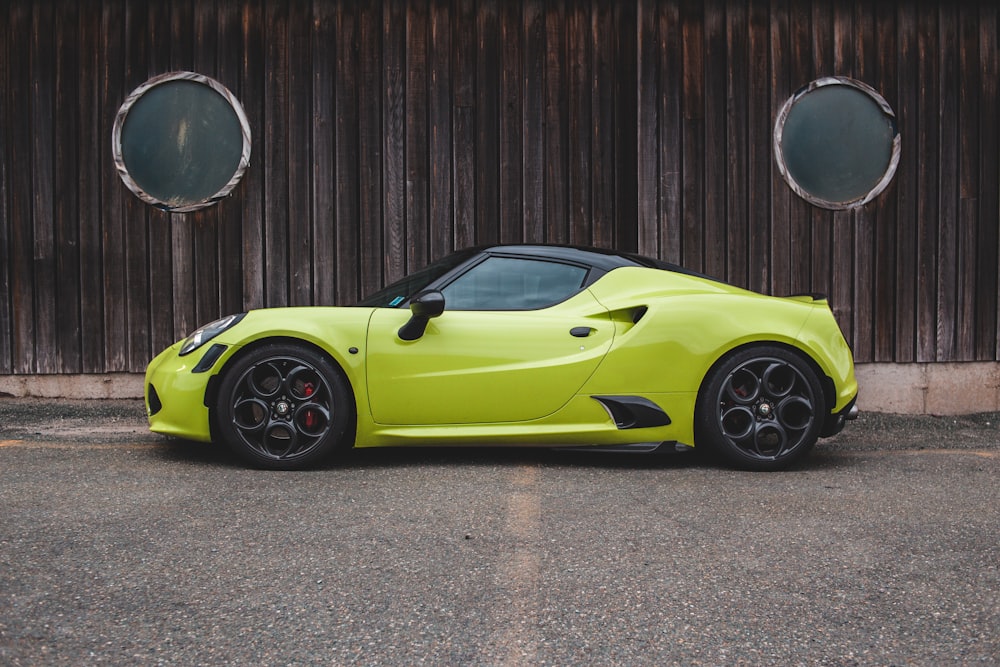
(633, 411)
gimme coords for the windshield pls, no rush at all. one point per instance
(400, 291)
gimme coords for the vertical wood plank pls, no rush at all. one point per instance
(693, 239)
(393, 134)
(464, 118)
(799, 247)
(579, 110)
(866, 218)
(441, 223)
(533, 139)
(781, 194)
(370, 144)
(416, 151)
(987, 288)
(555, 150)
(670, 87)
(487, 122)
(42, 108)
(511, 123)
(928, 184)
(821, 221)
(276, 106)
(759, 159)
(91, 144)
(6, 332)
(22, 283)
(648, 139)
(66, 167)
(228, 251)
(738, 93)
(603, 123)
(115, 52)
(841, 240)
(715, 156)
(299, 152)
(906, 239)
(330, 49)
(346, 238)
(885, 274)
(204, 224)
(947, 236)
(626, 117)
(968, 176)
(252, 76)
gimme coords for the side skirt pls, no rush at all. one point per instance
(635, 448)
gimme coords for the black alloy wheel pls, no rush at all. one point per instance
(761, 409)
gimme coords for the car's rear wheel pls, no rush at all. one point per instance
(283, 407)
(762, 408)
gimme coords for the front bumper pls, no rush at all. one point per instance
(175, 395)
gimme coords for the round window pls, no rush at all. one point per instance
(836, 143)
(181, 141)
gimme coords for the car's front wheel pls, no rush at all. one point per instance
(283, 407)
(761, 408)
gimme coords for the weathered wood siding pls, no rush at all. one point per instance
(385, 134)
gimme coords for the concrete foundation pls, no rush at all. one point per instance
(111, 385)
(929, 389)
(911, 389)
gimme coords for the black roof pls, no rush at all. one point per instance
(599, 260)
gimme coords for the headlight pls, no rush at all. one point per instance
(208, 332)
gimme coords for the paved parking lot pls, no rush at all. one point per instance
(119, 547)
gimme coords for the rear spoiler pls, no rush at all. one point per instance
(808, 296)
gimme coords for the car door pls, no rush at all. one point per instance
(517, 339)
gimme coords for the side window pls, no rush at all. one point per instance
(506, 283)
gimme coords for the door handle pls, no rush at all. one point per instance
(581, 332)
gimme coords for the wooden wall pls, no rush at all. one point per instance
(385, 134)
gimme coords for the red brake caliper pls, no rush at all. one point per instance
(310, 415)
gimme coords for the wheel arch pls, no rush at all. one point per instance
(825, 381)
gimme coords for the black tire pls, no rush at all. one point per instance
(761, 408)
(284, 407)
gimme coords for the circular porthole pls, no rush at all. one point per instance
(836, 143)
(181, 141)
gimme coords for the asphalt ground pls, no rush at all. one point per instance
(120, 547)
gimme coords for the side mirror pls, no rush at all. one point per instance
(423, 306)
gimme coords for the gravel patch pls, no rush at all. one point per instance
(84, 421)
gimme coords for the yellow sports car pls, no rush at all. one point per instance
(542, 345)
